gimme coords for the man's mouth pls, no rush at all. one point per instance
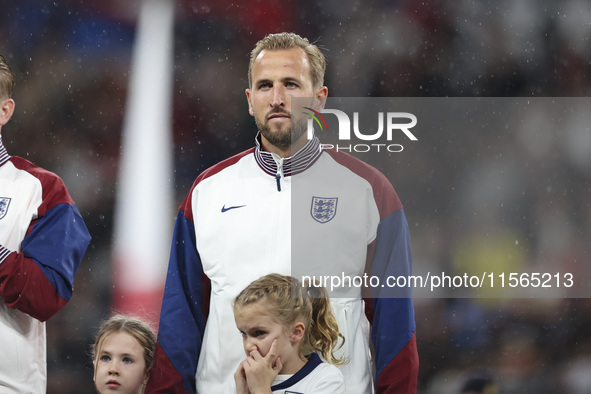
(278, 115)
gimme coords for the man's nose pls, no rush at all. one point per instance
(278, 99)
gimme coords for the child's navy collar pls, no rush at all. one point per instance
(313, 361)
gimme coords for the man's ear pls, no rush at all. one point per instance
(250, 110)
(6, 110)
(297, 333)
(320, 98)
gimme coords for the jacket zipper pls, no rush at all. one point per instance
(279, 173)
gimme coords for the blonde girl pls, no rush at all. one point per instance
(123, 354)
(284, 328)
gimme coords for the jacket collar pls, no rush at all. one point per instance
(4, 156)
(272, 164)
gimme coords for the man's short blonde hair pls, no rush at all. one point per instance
(279, 41)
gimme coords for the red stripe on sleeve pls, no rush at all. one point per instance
(163, 377)
(400, 376)
(24, 286)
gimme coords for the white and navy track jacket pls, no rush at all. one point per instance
(237, 224)
(42, 242)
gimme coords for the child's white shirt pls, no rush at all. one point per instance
(315, 377)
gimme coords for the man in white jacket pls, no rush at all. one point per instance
(42, 241)
(235, 226)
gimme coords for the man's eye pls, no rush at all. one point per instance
(291, 85)
(265, 86)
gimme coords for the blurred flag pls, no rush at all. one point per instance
(144, 211)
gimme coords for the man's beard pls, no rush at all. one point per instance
(283, 138)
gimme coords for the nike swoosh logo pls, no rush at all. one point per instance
(224, 209)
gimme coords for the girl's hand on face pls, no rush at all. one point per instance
(261, 371)
(240, 379)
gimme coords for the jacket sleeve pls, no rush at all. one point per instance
(390, 310)
(393, 325)
(184, 312)
(39, 279)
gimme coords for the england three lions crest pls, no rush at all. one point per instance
(323, 209)
(4, 203)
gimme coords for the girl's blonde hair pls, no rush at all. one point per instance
(286, 301)
(133, 326)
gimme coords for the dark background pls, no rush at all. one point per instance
(72, 63)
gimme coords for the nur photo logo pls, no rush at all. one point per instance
(377, 133)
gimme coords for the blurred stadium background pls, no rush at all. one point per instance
(72, 62)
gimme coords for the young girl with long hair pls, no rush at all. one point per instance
(123, 354)
(285, 327)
